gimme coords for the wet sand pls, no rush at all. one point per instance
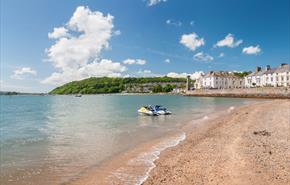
(251, 145)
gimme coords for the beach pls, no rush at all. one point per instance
(248, 146)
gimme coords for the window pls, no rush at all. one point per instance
(271, 79)
(282, 78)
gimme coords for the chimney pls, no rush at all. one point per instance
(267, 68)
(258, 69)
(188, 83)
(282, 64)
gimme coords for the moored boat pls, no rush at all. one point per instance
(159, 109)
(147, 110)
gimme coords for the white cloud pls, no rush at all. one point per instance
(134, 61)
(167, 60)
(200, 56)
(193, 76)
(145, 73)
(117, 32)
(229, 41)
(221, 55)
(58, 32)
(191, 23)
(102, 68)
(252, 50)
(21, 73)
(177, 75)
(192, 41)
(78, 56)
(154, 2)
(173, 23)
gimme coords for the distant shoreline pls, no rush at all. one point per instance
(264, 93)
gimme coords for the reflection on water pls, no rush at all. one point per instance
(50, 139)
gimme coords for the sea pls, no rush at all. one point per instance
(58, 139)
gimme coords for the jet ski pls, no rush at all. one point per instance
(161, 110)
(147, 110)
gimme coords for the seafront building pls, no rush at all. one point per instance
(219, 80)
(269, 77)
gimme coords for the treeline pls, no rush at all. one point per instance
(159, 89)
(114, 85)
(242, 74)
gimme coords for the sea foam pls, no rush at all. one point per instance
(145, 161)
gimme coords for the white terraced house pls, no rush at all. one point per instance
(275, 77)
(219, 80)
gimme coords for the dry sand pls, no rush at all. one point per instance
(249, 146)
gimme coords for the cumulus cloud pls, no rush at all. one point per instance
(191, 23)
(101, 68)
(229, 41)
(145, 73)
(252, 50)
(195, 75)
(221, 55)
(154, 2)
(134, 61)
(58, 32)
(173, 23)
(167, 60)
(177, 75)
(117, 32)
(200, 56)
(192, 41)
(21, 73)
(76, 52)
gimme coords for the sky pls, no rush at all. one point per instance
(47, 43)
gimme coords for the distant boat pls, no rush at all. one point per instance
(78, 95)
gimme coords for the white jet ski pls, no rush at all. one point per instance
(160, 110)
(147, 110)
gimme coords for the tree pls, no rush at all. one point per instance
(157, 88)
(167, 88)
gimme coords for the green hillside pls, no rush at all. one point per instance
(116, 85)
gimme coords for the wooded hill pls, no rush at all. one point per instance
(95, 85)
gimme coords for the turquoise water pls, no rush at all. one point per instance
(50, 139)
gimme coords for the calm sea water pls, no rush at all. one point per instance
(51, 139)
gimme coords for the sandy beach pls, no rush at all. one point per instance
(251, 145)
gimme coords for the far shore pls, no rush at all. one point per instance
(259, 92)
(249, 146)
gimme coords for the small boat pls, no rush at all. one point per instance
(78, 95)
(161, 110)
(147, 110)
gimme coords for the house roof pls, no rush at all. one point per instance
(280, 69)
(222, 74)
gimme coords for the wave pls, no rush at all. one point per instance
(137, 169)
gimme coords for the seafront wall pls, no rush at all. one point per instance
(262, 92)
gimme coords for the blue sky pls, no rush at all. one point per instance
(136, 38)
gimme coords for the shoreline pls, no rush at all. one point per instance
(135, 165)
(258, 93)
(244, 147)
